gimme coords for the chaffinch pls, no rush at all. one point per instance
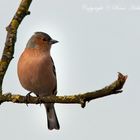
(36, 72)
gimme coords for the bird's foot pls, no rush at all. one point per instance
(27, 98)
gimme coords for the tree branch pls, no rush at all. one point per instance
(113, 88)
(7, 56)
(8, 51)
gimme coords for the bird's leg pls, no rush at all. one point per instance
(27, 97)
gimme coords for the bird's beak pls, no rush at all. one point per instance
(52, 41)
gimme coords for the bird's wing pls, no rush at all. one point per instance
(54, 71)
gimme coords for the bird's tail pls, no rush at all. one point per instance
(51, 116)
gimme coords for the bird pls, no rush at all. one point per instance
(37, 74)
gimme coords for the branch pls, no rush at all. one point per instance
(8, 51)
(113, 88)
(7, 56)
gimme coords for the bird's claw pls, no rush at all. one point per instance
(27, 98)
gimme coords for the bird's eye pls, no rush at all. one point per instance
(44, 39)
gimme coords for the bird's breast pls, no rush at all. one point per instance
(35, 71)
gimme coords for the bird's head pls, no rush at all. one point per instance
(40, 40)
